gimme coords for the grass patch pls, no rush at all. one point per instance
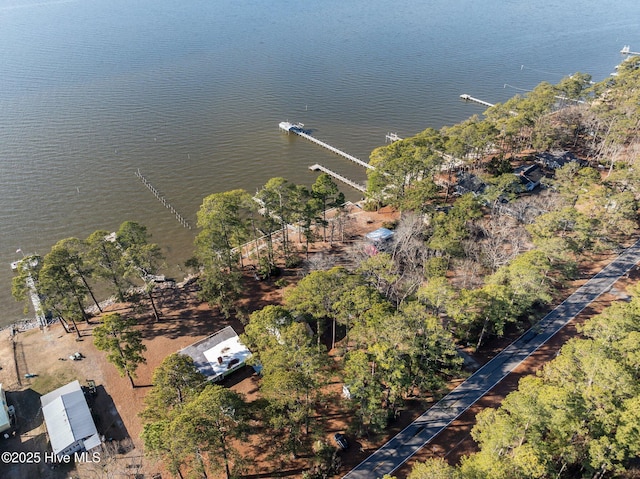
(52, 380)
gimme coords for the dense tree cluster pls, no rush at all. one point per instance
(190, 423)
(390, 352)
(234, 226)
(578, 417)
(71, 272)
(67, 276)
(600, 121)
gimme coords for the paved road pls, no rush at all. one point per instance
(415, 436)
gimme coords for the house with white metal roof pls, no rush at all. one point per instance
(69, 422)
(219, 354)
(5, 419)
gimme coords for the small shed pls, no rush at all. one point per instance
(379, 235)
(218, 355)
(69, 422)
(377, 240)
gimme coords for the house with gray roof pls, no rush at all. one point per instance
(69, 422)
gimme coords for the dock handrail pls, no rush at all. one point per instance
(297, 128)
(338, 177)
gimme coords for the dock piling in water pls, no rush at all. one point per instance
(162, 199)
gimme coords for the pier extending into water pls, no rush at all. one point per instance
(626, 50)
(297, 128)
(35, 300)
(41, 318)
(162, 200)
(466, 97)
(391, 137)
(338, 177)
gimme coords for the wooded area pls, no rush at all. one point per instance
(465, 263)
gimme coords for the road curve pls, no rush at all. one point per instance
(417, 434)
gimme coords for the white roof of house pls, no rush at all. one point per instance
(218, 354)
(381, 234)
(68, 418)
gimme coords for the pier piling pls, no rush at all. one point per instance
(162, 199)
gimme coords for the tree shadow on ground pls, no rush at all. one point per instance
(237, 377)
(105, 414)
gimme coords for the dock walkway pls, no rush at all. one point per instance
(297, 128)
(391, 137)
(35, 300)
(338, 177)
(466, 97)
(626, 50)
(41, 318)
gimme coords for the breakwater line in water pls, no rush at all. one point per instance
(162, 199)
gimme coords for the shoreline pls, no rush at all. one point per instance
(26, 324)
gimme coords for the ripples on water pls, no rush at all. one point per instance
(192, 92)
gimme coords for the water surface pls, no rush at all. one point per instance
(191, 93)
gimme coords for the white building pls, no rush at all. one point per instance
(219, 354)
(68, 418)
(5, 419)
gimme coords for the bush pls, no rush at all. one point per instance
(436, 267)
(390, 225)
(370, 205)
(292, 261)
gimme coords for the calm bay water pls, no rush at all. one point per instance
(191, 93)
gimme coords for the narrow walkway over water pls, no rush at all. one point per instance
(338, 177)
(626, 50)
(297, 128)
(466, 97)
(391, 137)
(35, 300)
(33, 292)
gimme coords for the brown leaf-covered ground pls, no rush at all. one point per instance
(185, 320)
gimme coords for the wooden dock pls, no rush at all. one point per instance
(333, 174)
(162, 200)
(626, 50)
(297, 128)
(41, 318)
(466, 97)
(35, 300)
(391, 138)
